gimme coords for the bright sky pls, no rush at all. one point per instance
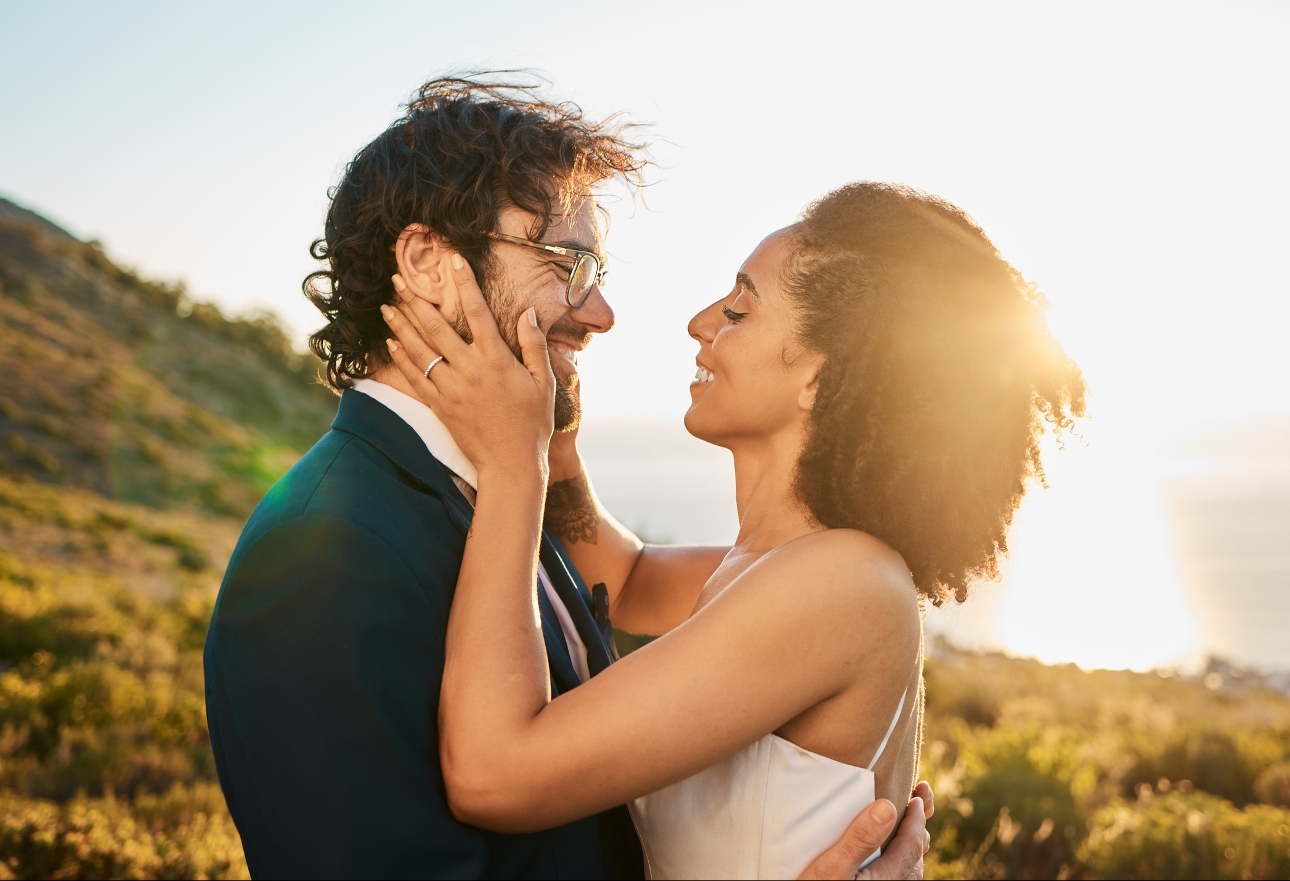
(1130, 158)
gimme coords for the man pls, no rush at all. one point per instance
(325, 652)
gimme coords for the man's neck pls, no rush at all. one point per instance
(388, 374)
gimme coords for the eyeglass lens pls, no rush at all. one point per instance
(582, 279)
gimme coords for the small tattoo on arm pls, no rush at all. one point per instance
(570, 511)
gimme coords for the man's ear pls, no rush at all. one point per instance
(424, 260)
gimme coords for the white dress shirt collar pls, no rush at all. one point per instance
(428, 427)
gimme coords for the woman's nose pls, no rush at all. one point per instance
(596, 313)
(702, 326)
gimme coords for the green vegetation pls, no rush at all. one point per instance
(1051, 772)
(105, 764)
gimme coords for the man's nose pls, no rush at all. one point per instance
(595, 314)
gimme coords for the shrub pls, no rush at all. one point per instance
(104, 838)
(1273, 785)
(1034, 766)
(105, 766)
(1187, 835)
(1012, 802)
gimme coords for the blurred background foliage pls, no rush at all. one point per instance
(139, 429)
(1054, 772)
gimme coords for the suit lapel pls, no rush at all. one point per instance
(368, 418)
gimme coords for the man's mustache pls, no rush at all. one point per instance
(566, 330)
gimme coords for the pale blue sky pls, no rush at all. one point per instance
(1130, 158)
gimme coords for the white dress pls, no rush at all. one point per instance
(766, 812)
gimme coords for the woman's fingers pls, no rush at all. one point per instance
(413, 306)
(415, 375)
(483, 328)
(417, 349)
(533, 347)
(433, 328)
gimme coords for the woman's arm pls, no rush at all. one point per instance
(794, 631)
(652, 588)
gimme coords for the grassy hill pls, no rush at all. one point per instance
(125, 387)
(137, 430)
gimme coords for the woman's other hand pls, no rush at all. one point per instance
(499, 411)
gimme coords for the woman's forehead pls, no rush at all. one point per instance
(765, 265)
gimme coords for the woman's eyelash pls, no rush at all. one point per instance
(731, 315)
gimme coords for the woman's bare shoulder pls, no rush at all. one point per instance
(846, 570)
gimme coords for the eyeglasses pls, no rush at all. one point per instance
(585, 274)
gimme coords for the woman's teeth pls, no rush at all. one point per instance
(703, 375)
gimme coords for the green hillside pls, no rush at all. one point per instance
(125, 387)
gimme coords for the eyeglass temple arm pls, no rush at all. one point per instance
(516, 240)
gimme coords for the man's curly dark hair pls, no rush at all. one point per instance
(466, 147)
(940, 379)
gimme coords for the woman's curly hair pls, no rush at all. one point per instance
(467, 146)
(940, 379)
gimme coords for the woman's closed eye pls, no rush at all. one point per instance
(731, 315)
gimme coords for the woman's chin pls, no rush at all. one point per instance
(698, 425)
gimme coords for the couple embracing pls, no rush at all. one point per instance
(407, 675)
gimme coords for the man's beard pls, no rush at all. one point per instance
(568, 404)
(506, 308)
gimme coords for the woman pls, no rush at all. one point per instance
(882, 378)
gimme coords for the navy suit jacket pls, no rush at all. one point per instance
(323, 666)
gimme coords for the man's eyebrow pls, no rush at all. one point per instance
(743, 279)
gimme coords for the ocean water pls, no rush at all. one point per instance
(660, 482)
(1228, 520)
(1230, 524)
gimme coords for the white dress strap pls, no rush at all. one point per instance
(890, 728)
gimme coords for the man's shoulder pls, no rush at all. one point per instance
(344, 484)
(342, 476)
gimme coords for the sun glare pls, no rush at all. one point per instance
(1092, 577)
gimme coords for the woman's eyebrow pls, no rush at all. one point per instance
(743, 279)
